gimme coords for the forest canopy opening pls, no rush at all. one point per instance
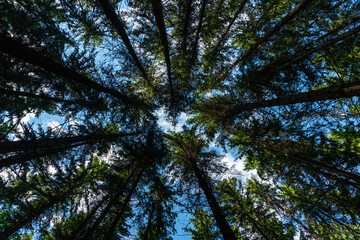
(116, 116)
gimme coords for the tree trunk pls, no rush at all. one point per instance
(18, 50)
(285, 61)
(257, 226)
(355, 232)
(148, 225)
(116, 22)
(215, 16)
(242, 4)
(186, 26)
(197, 37)
(346, 90)
(224, 227)
(158, 12)
(340, 202)
(20, 158)
(36, 212)
(290, 16)
(330, 170)
(28, 145)
(37, 96)
(113, 201)
(317, 48)
(333, 115)
(330, 175)
(112, 228)
(287, 212)
(88, 217)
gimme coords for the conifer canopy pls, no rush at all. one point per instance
(85, 89)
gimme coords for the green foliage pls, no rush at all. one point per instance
(274, 82)
(204, 226)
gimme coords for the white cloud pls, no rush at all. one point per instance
(27, 117)
(181, 121)
(236, 166)
(167, 126)
(52, 170)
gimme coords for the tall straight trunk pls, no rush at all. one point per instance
(186, 26)
(215, 16)
(333, 115)
(237, 13)
(345, 90)
(113, 201)
(20, 158)
(149, 222)
(120, 29)
(28, 145)
(288, 213)
(323, 15)
(290, 16)
(253, 221)
(278, 148)
(18, 50)
(257, 226)
(197, 36)
(87, 219)
(321, 211)
(36, 212)
(335, 177)
(332, 169)
(317, 48)
(338, 201)
(304, 52)
(9, 92)
(121, 212)
(42, 193)
(159, 17)
(224, 226)
(264, 13)
(329, 33)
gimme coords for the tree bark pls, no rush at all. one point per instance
(215, 16)
(224, 226)
(186, 26)
(287, 212)
(119, 27)
(198, 31)
(36, 212)
(18, 50)
(113, 201)
(37, 96)
(257, 226)
(242, 4)
(20, 158)
(88, 217)
(159, 17)
(28, 145)
(112, 228)
(315, 49)
(149, 222)
(279, 148)
(297, 56)
(346, 90)
(290, 16)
